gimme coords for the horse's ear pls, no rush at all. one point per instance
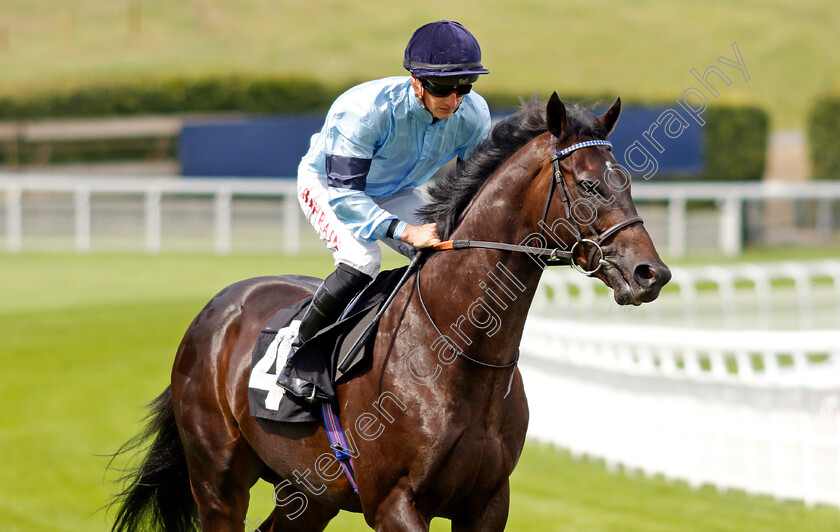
(555, 116)
(609, 119)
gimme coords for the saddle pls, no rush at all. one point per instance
(318, 360)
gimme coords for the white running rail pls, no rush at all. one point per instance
(781, 295)
(681, 216)
(748, 408)
(145, 199)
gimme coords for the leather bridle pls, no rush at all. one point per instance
(558, 256)
(597, 238)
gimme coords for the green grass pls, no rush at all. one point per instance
(86, 341)
(642, 48)
(761, 254)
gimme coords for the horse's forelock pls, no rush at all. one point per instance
(583, 122)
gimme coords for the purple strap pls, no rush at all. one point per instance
(338, 443)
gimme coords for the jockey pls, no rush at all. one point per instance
(382, 139)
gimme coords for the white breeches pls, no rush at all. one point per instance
(364, 256)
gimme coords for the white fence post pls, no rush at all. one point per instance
(291, 224)
(153, 221)
(222, 213)
(731, 226)
(14, 241)
(82, 217)
(677, 226)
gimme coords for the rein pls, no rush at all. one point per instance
(557, 256)
(454, 348)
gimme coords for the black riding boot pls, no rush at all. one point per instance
(331, 298)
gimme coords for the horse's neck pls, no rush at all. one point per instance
(484, 296)
(508, 206)
(480, 300)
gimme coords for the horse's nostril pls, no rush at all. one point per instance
(644, 274)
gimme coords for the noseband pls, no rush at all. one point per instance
(557, 256)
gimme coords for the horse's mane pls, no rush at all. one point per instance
(453, 191)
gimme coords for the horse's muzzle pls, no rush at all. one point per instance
(636, 284)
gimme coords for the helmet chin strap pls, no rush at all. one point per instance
(418, 93)
(423, 105)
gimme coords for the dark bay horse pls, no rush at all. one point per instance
(436, 419)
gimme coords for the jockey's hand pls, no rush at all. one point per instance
(421, 236)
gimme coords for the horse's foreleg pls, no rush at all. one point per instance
(490, 516)
(398, 513)
(312, 517)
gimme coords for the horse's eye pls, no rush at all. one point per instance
(590, 187)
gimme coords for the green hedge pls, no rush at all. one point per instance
(824, 137)
(735, 142)
(209, 94)
(734, 146)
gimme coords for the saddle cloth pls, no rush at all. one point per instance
(317, 360)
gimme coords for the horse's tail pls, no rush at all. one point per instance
(157, 495)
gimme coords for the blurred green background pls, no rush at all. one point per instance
(634, 49)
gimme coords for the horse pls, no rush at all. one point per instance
(436, 416)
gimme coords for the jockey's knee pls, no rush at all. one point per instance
(346, 281)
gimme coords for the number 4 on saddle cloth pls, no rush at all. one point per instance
(318, 360)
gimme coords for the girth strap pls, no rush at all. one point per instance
(338, 443)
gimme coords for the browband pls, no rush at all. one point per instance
(574, 147)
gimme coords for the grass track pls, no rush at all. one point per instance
(85, 341)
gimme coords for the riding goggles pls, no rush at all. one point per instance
(442, 89)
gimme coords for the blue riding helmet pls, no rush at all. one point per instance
(444, 50)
